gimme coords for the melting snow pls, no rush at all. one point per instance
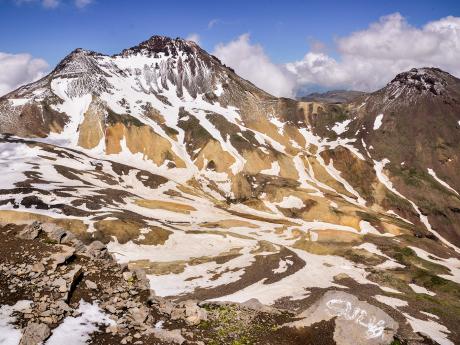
(452, 264)
(9, 334)
(391, 301)
(421, 289)
(179, 246)
(372, 248)
(430, 328)
(340, 127)
(378, 121)
(367, 228)
(389, 265)
(430, 315)
(319, 271)
(444, 184)
(283, 266)
(274, 170)
(379, 167)
(77, 330)
(279, 125)
(389, 289)
(219, 90)
(291, 202)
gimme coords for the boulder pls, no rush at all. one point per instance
(142, 280)
(139, 315)
(73, 276)
(90, 285)
(357, 322)
(173, 336)
(190, 312)
(163, 305)
(255, 304)
(193, 313)
(128, 276)
(64, 256)
(59, 235)
(34, 334)
(61, 284)
(31, 231)
(96, 250)
(38, 267)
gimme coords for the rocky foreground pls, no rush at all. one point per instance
(54, 288)
(51, 279)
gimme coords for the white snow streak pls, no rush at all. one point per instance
(378, 121)
(441, 182)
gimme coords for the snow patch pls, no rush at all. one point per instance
(9, 334)
(341, 127)
(430, 315)
(391, 301)
(274, 170)
(319, 271)
(283, 266)
(291, 202)
(432, 329)
(441, 182)
(453, 264)
(77, 330)
(279, 125)
(379, 170)
(378, 121)
(367, 228)
(421, 289)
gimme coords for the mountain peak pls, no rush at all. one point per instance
(421, 80)
(79, 61)
(163, 44)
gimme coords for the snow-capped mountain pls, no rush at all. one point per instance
(411, 126)
(221, 191)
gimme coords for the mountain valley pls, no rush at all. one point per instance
(303, 220)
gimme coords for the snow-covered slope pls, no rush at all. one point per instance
(218, 189)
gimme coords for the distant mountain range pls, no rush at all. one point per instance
(334, 96)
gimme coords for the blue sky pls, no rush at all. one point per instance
(283, 28)
(302, 45)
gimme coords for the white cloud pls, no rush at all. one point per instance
(44, 3)
(82, 3)
(193, 37)
(250, 62)
(55, 3)
(50, 3)
(19, 69)
(213, 23)
(370, 58)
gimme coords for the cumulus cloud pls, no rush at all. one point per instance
(50, 3)
(368, 59)
(44, 3)
(55, 3)
(250, 62)
(213, 22)
(82, 3)
(193, 37)
(19, 69)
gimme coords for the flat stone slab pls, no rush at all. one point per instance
(357, 322)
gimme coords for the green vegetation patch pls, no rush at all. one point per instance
(235, 325)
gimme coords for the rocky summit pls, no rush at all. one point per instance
(156, 197)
